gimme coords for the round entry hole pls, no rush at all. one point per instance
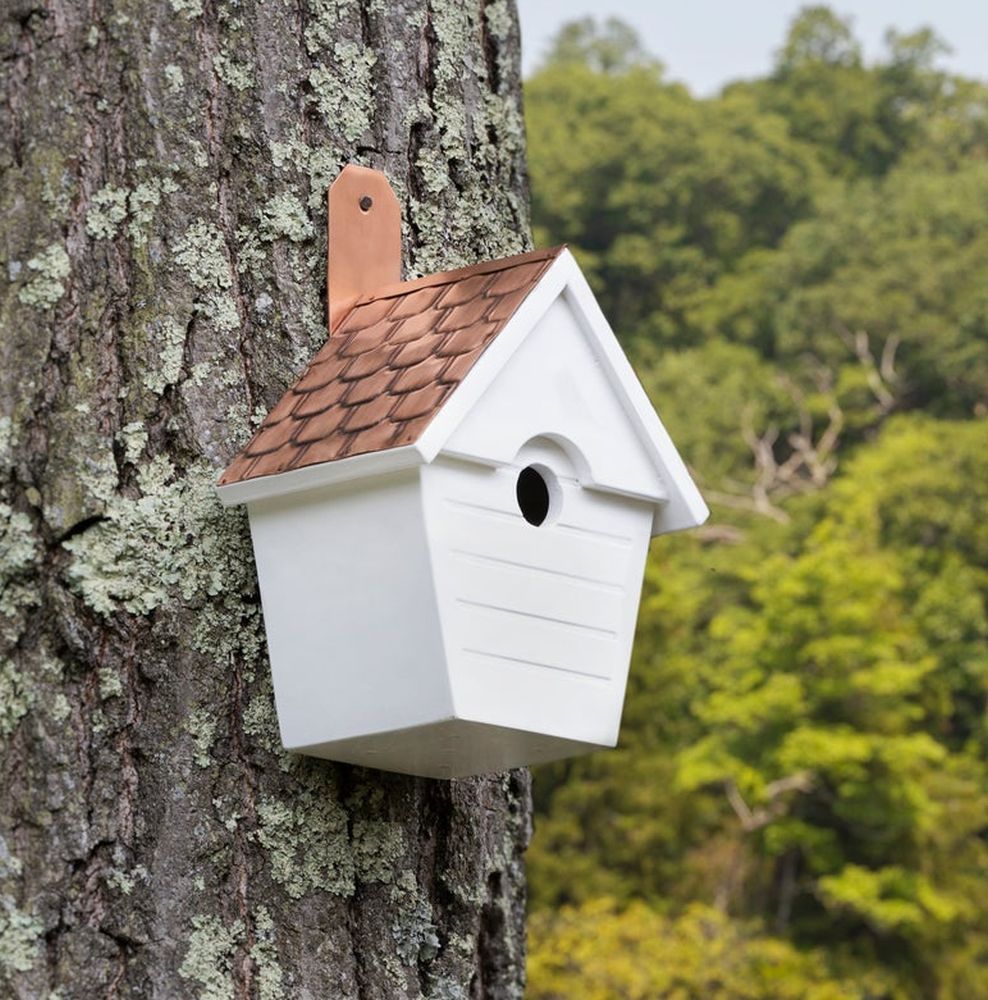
(532, 492)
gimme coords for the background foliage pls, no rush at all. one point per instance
(799, 806)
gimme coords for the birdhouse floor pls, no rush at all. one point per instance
(451, 748)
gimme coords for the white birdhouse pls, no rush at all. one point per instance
(451, 509)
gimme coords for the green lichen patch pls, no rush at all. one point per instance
(448, 989)
(172, 543)
(265, 957)
(324, 23)
(18, 551)
(17, 696)
(7, 441)
(377, 845)
(234, 74)
(134, 438)
(289, 154)
(500, 19)
(201, 253)
(126, 880)
(108, 208)
(51, 267)
(323, 165)
(171, 350)
(20, 936)
(189, 9)
(344, 92)
(175, 78)
(142, 204)
(201, 726)
(251, 256)
(305, 835)
(209, 958)
(9, 865)
(284, 216)
(110, 683)
(413, 929)
(60, 708)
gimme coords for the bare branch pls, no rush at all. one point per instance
(776, 806)
(881, 375)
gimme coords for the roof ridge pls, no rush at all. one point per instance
(448, 277)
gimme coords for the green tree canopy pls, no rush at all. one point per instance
(796, 267)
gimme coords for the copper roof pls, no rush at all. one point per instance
(389, 365)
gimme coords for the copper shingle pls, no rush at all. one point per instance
(391, 363)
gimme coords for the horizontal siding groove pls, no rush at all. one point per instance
(622, 541)
(609, 632)
(500, 512)
(588, 581)
(533, 663)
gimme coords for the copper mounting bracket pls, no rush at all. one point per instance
(364, 236)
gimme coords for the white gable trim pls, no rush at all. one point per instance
(682, 506)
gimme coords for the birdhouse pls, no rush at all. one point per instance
(451, 508)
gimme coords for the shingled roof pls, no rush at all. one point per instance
(389, 365)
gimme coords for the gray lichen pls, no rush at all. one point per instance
(233, 73)
(174, 542)
(499, 19)
(377, 845)
(201, 725)
(171, 348)
(7, 442)
(142, 204)
(126, 880)
(110, 683)
(413, 928)
(20, 936)
(209, 957)
(201, 252)
(108, 208)
(189, 9)
(284, 216)
(307, 842)
(344, 92)
(323, 24)
(134, 438)
(17, 696)
(51, 267)
(175, 78)
(18, 551)
(265, 957)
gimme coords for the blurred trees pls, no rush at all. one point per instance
(797, 268)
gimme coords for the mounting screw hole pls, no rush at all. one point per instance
(365, 203)
(532, 493)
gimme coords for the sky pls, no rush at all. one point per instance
(707, 43)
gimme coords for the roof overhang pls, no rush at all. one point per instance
(343, 470)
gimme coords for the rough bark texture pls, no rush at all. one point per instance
(163, 168)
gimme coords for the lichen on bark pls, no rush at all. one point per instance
(162, 249)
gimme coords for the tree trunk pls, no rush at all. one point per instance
(162, 233)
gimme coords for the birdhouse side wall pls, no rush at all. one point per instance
(350, 610)
(537, 621)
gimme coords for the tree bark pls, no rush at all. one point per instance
(162, 233)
